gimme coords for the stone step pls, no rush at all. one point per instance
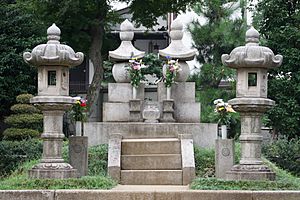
(151, 177)
(151, 161)
(151, 146)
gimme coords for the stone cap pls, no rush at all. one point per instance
(126, 50)
(176, 49)
(53, 53)
(252, 55)
(259, 105)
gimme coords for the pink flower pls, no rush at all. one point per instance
(136, 67)
(172, 68)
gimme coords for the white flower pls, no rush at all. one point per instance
(217, 101)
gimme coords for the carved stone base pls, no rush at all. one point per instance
(168, 111)
(250, 172)
(53, 171)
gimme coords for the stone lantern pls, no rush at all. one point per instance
(53, 61)
(124, 53)
(251, 62)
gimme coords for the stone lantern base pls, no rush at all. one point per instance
(250, 172)
(53, 171)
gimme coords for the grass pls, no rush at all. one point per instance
(19, 179)
(284, 180)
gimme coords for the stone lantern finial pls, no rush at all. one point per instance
(53, 33)
(252, 36)
(126, 50)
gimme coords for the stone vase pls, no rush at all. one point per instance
(120, 74)
(78, 128)
(134, 92)
(151, 112)
(169, 93)
(224, 132)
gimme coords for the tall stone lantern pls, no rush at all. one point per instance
(53, 61)
(252, 63)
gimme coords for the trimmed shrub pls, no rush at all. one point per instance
(98, 157)
(24, 98)
(20, 134)
(204, 162)
(34, 121)
(24, 108)
(14, 153)
(285, 153)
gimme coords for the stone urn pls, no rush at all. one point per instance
(151, 112)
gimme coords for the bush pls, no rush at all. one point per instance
(14, 153)
(20, 134)
(285, 153)
(24, 108)
(204, 162)
(34, 121)
(24, 98)
(98, 156)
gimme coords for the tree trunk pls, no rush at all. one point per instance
(94, 91)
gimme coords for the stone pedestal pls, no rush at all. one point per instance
(224, 157)
(135, 107)
(78, 154)
(251, 166)
(114, 156)
(168, 111)
(52, 164)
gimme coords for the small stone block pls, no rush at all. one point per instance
(122, 92)
(180, 92)
(78, 154)
(224, 157)
(116, 112)
(187, 112)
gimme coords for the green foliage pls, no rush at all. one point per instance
(24, 108)
(277, 22)
(208, 115)
(33, 121)
(219, 184)
(219, 35)
(154, 65)
(19, 32)
(98, 156)
(108, 76)
(18, 134)
(14, 153)
(204, 162)
(285, 153)
(24, 98)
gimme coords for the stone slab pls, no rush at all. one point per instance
(116, 112)
(27, 194)
(204, 134)
(188, 160)
(122, 92)
(224, 157)
(180, 92)
(149, 192)
(151, 177)
(78, 154)
(153, 146)
(114, 156)
(151, 161)
(187, 112)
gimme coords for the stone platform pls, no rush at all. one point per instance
(204, 134)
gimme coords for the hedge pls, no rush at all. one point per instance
(20, 134)
(24, 98)
(24, 109)
(34, 121)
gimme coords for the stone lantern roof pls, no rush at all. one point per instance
(176, 49)
(53, 53)
(252, 55)
(126, 50)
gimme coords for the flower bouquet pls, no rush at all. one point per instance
(134, 69)
(171, 70)
(223, 109)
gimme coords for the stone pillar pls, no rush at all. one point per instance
(114, 156)
(135, 107)
(53, 61)
(224, 157)
(168, 111)
(252, 62)
(187, 157)
(78, 154)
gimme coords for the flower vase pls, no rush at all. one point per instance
(78, 128)
(168, 93)
(134, 92)
(224, 132)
